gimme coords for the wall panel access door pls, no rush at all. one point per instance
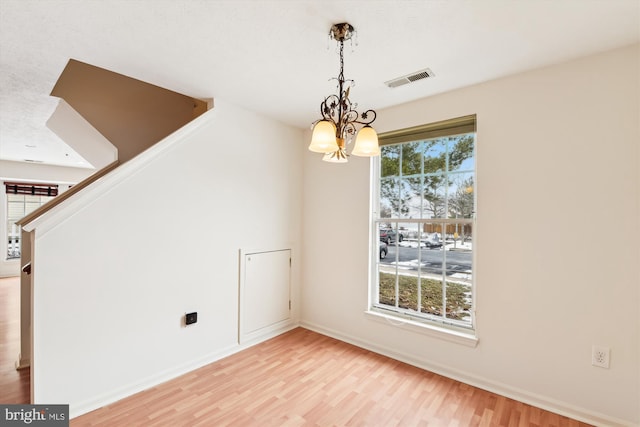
(265, 288)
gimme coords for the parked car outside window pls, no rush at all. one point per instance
(388, 235)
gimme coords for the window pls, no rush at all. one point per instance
(22, 199)
(424, 219)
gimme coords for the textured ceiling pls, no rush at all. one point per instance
(274, 56)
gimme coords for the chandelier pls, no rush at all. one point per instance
(339, 116)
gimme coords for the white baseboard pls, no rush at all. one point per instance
(524, 396)
(22, 362)
(254, 337)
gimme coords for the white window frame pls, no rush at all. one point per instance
(434, 326)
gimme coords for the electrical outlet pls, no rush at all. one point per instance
(600, 356)
(190, 318)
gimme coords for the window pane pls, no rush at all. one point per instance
(411, 198)
(459, 256)
(432, 296)
(432, 256)
(411, 158)
(390, 200)
(461, 199)
(434, 196)
(387, 289)
(458, 301)
(459, 250)
(435, 155)
(408, 288)
(461, 153)
(390, 160)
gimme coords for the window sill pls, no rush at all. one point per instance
(456, 336)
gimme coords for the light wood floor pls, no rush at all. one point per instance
(14, 385)
(301, 378)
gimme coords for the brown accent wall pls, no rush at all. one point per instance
(131, 114)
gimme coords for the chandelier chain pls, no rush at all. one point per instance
(338, 108)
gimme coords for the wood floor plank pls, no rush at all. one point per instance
(300, 378)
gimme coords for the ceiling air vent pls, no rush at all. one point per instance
(410, 78)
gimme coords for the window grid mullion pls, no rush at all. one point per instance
(444, 229)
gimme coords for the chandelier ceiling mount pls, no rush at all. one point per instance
(342, 32)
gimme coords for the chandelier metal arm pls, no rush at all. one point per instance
(365, 118)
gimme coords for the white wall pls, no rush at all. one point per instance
(81, 136)
(113, 282)
(28, 172)
(557, 239)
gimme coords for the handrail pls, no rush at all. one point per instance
(64, 196)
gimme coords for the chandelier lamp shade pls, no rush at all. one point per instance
(340, 120)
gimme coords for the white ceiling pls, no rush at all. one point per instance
(274, 56)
